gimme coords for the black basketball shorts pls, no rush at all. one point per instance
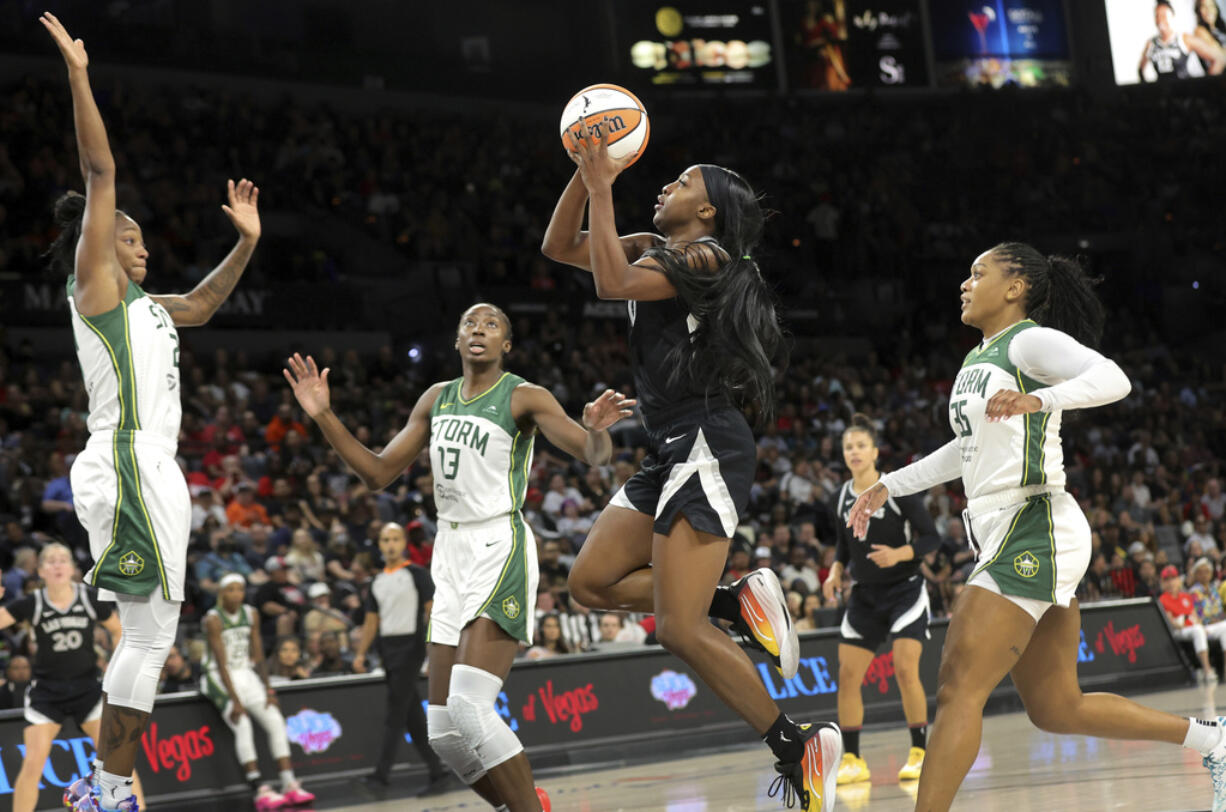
(878, 612)
(702, 468)
(54, 701)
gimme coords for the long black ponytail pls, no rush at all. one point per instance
(737, 340)
(69, 214)
(1059, 292)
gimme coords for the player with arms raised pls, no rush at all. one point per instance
(128, 490)
(480, 429)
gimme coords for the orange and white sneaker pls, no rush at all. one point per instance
(914, 766)
(812, 781)
(765, 622)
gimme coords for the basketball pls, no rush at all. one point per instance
(628, 127)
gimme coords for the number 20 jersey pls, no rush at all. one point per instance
(1021, 451)
(479, 457)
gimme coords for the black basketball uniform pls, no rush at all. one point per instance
(702, 458)
(891, 601)
(1170, 59)
(65, 680)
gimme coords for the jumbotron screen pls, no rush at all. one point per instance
(993, 43)
(1166, 41)
(846, 44)
(693, 44)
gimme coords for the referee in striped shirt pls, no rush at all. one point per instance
(398, 612)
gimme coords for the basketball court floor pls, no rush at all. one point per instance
(1020, 769)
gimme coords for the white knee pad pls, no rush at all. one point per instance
(244, 735)
(470, 703)
(149, 627)
(269, 717)
(451, 748)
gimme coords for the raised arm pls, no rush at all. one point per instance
(197, 307)
(99, 285)
(566, 241)
(588, 441)
(616, 276)
(376, 471)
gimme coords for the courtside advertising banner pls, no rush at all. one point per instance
(558, 707)
(838, 45)
(994, 43)
(1166, 41)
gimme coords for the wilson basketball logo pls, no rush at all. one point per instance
(1026, 565)
(613, 115)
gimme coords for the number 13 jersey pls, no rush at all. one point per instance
(479, 457)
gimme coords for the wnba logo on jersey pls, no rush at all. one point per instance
(1026, 565)
(131, 564)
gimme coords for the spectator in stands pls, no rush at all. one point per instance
(287, 664)
(1180, 609)
(763, 558)
(800, 567)
(738, 561)
(305, 562)
(321, 617)
(610, 628)
(1098, 583)
(1148, 583)
(559, 492)
(284, 422)
(1202, 534)
(280, 602)
(1206, 592)
(958, 548)
(243, 511)
(25, 562)
(179, 673)
(17, 678)
(549, 641)
(1213, 501)
(332, 659)
(205, 505)
(223, 556)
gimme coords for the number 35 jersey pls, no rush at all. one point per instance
(130, 361)
(479, 457)
(65, 637)
(1023, 450)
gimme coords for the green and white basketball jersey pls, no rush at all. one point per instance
(479, 457)
(129, 358)
(235, 638)
(1023, 450)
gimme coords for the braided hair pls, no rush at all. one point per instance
(69, 214)
(1059, 292)
(738, 339)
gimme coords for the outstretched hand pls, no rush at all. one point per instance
(309, 384)
(606, 410)
(72, 50)
(243, 210)
(1006, 403)
(591, 154)
(866, 505)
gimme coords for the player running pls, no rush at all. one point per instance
(480, 429)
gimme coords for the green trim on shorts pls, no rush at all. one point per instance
(215, 693)
(1025, 564)
(507, 604)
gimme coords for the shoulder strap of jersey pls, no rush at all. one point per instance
(38, 607)
(83, 595)
(843, 493)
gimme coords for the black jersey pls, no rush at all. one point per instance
(656, 330)
(65, 638)
(902, 520)
(1170, 59)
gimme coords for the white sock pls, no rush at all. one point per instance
(1202, 736)
(503, 808)
(287, 778)
(113, 789)
(97, 771)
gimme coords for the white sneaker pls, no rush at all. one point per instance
(1211, 677)
(1216, 762)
